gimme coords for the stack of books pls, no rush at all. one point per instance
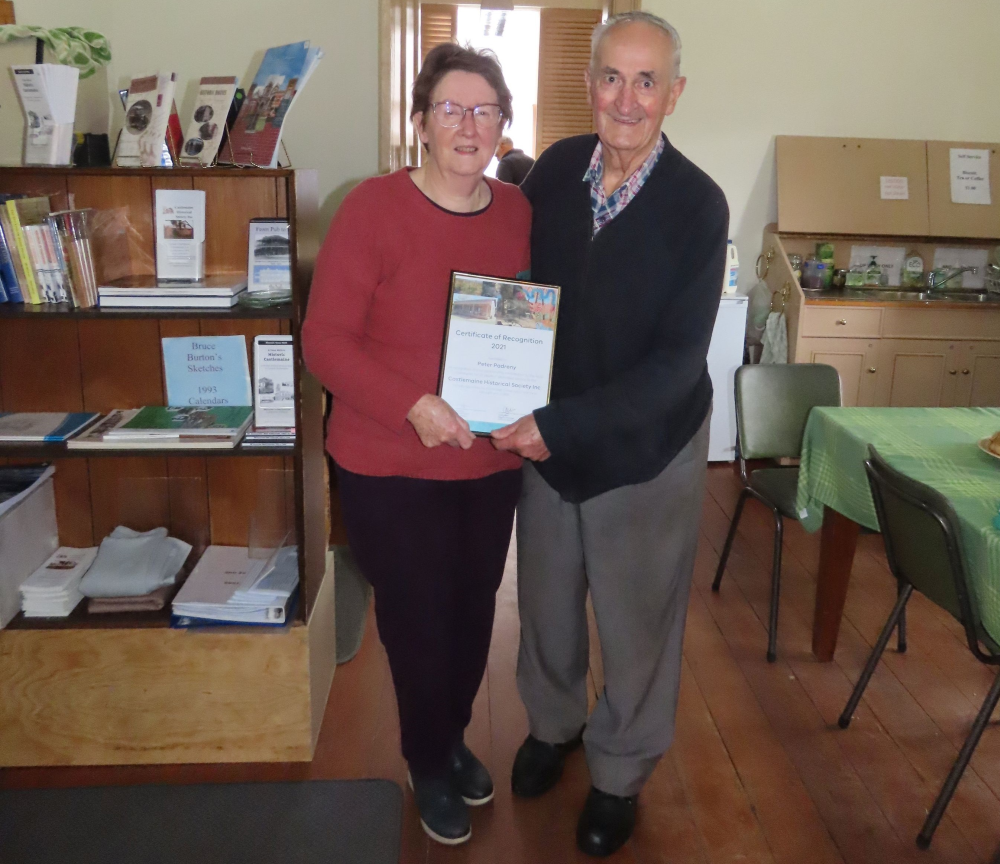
(157, 428)
(43, 427)
(228, 586)
(212, 292)
(53, 590)
(269, 436)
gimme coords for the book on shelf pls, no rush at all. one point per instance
(8, 273)
(47, 92)
(213, 292)
(228, 585)
(10, 241)
(206, 370)
(18, 213)
(160, 429)
(180, 235)
(147, 115)
(53, 590)
(208, 120)
(256, 134)
(43, 427)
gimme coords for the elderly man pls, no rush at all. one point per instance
(513, 164)
(636, 236)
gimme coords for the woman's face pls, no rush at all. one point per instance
(466, 149)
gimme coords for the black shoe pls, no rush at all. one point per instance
(470, 776)
(444, 816)
(606, 823)
(538, 765)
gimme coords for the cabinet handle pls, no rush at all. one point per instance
(965, 371)
(841, 321)
(952, 371)
(871, 370)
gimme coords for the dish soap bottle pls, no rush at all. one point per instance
(873, 275)
(913, 270)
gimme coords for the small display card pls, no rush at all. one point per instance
(207, 370)
(269, 267)
(274, 382)
(500, 338)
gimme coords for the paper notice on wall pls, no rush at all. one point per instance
(970, 176)
(889, 258)
(895, 188)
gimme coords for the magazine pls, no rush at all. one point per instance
(208, 121)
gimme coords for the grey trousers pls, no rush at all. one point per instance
(634, 548)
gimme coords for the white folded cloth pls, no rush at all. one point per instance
(130, 563)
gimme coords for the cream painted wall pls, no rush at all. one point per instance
(334, 124)
(864, 68)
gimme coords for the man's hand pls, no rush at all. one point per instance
(522, 438)
(437, 423)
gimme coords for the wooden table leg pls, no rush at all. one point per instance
(836, 557)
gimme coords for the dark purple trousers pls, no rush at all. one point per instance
(434, 553)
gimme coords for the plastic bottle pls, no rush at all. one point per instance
(913, 270)
(732, 269)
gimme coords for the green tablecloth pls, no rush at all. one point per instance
(937, 446)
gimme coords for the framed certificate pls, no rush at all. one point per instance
(499, 341)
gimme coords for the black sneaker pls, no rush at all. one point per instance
(444, 816)
(470, 776)
(606, 823)
(539, 765)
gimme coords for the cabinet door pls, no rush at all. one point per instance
(854, 359)
(978, 379)
(917, 373)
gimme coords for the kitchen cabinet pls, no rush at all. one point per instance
(856, 361)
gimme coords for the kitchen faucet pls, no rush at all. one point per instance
(945, 275)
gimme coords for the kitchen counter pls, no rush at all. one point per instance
(900, 297)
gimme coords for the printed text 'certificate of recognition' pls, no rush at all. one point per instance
(499, 341)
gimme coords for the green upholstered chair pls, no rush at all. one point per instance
(924, 551)
(772, 406)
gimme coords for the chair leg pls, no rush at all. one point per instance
(729, 538)
(873, 658)
(901, 627)
(944, 796)
(772, 627)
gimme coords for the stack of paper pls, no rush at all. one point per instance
(48, 98)
(53, 590)
(132, 563)
(213, 292)
(228, 585)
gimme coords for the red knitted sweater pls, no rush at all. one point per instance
(375, 323)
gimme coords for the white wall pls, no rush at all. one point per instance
(334, 124)
(864, 68)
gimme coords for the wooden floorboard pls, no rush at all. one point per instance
(758, 772)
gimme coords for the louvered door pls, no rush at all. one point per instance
(438, 24)
(563, 56)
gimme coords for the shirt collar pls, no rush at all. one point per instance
(595, 171)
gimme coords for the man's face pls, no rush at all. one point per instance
(632, 87)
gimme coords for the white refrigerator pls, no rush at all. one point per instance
(725, 356)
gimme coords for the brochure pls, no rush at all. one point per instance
(269, 267)
(48, 98)
(208, 121)
(180, 235)
(147, 114)
(274, 381)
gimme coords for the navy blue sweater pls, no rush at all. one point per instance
(630, 383)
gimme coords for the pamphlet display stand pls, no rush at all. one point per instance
(128, 688)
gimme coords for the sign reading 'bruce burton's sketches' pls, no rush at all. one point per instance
(207, 370)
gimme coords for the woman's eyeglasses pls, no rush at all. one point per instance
(451, 114)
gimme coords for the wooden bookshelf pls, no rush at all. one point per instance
(116, 689)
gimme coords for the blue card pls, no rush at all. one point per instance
(207, 370)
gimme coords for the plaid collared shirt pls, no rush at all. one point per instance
(606, 207)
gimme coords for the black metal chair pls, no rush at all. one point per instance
(772, 406)
(923, 548)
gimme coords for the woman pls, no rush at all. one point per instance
(428, 507)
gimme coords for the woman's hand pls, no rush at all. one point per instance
(437, 423)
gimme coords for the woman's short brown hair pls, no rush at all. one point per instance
(449, 57)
